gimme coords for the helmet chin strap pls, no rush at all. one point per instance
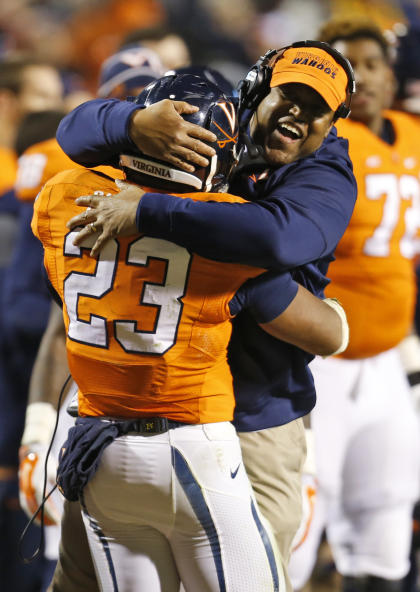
(159, 170)
(208, 183)
(254, 150)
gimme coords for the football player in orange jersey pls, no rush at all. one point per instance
(28, 303)
(40, 158)
(26, 86)
(365, 428)
(125, 73)
(189, 389)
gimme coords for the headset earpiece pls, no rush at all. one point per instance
(343, 111)
(256, 85)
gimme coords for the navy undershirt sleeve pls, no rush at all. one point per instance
(96, 132)
(265, 296)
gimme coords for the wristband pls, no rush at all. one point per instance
(334, 303)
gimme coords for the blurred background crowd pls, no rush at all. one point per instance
(77, 35)
(72, 39)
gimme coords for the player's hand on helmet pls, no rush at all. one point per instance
(108, 216)
(161, 132)
(31, 483)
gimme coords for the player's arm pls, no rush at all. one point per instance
(97, 131)
(314, 325)
(49, 373)
(50, 368)
(291, 313)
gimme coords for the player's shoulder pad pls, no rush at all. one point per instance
(62, 190)
(37, 164)
(89, 181)
(353, 130)
(405, 122)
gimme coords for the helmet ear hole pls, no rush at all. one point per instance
(216, 113)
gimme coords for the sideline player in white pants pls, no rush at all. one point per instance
(367, 470)
(365, 427)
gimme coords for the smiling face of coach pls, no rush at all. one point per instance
(307, 87)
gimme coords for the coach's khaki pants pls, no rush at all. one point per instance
(273, 459)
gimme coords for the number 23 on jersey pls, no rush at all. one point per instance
(164, 296)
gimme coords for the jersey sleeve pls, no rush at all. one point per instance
(96, 132)
(40, 224)
(265, 296)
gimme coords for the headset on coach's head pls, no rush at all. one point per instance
(256, 85)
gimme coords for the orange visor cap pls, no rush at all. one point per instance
(315, 68)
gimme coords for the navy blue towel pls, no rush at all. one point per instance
(80, 454)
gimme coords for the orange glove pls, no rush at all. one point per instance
(39, 426)
(31, 483)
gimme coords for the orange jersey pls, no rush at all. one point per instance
(373, 274)
(148, 323)
(42, 161)
(8, 166)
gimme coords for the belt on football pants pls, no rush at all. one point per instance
(146, 425)
(86, 441)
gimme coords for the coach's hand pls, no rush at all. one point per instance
(161, 132)
(108, 216)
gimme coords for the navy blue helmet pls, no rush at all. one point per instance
(216, 113)
(211, 74)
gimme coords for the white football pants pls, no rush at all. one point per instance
(174, 507)
(367, 465)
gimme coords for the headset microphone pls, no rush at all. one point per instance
(253, 150)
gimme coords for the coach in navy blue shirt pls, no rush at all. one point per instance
(300, 204)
